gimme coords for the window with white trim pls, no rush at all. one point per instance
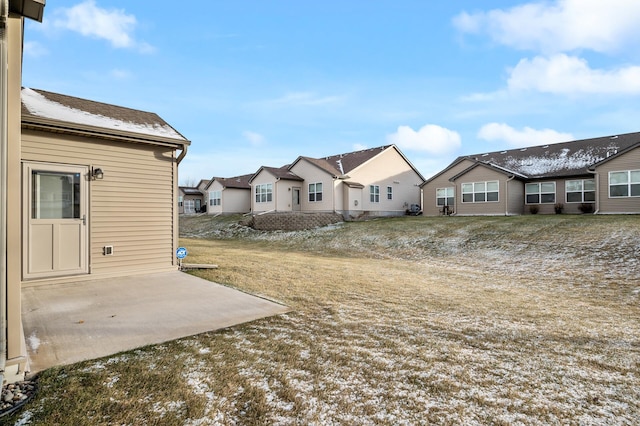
(540, 193)
(264, 193)
(374, 193)
(180, 201)
(315, 192)
(624, 184)
(480, 192)
(580, 190)
(445, 196)
(215, 198)
(389, 193)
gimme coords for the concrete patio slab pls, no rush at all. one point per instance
(67, 323)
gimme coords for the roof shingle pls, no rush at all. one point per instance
(559, 159)
(40, 104)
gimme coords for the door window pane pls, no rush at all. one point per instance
(56, 195)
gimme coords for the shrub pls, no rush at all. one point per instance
(586, 208)
(534, 209)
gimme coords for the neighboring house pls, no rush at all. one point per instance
(228, 195)
(190, 200)
(275, 190)
(599, 175)
(377, 182)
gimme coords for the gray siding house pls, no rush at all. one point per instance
(598, 175)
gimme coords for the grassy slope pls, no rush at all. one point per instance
(396, 321)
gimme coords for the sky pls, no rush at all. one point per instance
(256, 83)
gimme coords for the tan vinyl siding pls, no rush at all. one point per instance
(388, 169)
(628, 161)
(515, 189)
(482, 174)
(131, 209)
(216, 186)
(430, 207)
(236, 200)
(264, 177)
(313, 174)
(232, 200)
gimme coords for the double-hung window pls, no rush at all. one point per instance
(215, 198)
(264, 193)
(541, 193)
(624, 184)
(580, 190)
(389, 193)
(444, 196)
(480, 192)
(315, 192)
(374, 193)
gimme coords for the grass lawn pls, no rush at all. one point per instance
(508, 320)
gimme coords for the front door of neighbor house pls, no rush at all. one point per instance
(55, 212)
(295, 203)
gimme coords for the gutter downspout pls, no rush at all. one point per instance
(182, 154)
(4, 136)
(596, 175)
(275, 195)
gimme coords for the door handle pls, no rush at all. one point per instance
(84, 219)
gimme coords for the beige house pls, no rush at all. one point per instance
(376, 182)
(96, 190)
(228, 195)
(598, 175)
(275, 190)
(191, 199)
(13, 354)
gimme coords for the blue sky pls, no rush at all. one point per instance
(260, 82)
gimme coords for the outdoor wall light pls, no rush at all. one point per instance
(97, 173)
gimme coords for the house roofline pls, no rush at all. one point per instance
(56, 126)
(386, 148)
(269, 169)
(310, 161)
(592, 167)
(489, 166)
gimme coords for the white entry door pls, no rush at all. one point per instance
(55, 214)
(296, 200)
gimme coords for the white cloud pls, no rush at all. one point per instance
(561, 25)
(521, 138)
(430, 138)
(306, 99)
(120, 74)
(255, 139)
(34, 49)
(562, 74)
(113, 25)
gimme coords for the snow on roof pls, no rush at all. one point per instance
(555, 162)
(559, 159)
(147, 123)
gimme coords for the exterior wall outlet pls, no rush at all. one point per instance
(107, 250)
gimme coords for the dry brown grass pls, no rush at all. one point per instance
(411, 321)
